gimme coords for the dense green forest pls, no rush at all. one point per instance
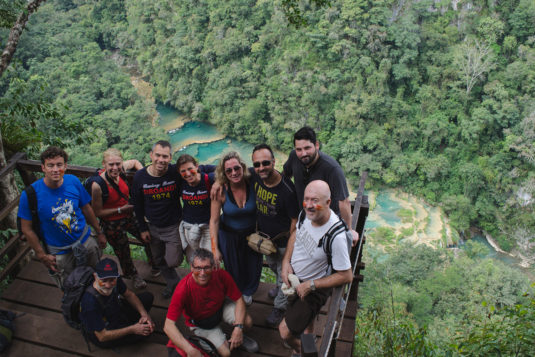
(436, 97)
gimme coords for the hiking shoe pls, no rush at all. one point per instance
(249, 345)
(275, 317)
(272, 293)
(155, 272)
(139, 283)
(248, 299)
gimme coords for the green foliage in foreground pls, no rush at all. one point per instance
(421, 301)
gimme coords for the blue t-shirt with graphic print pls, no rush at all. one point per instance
(60, 211)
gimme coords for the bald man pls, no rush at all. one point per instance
(310, 263)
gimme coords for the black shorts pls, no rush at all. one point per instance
(300, 313)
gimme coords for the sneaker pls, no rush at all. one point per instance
(249, 345)
(248, 299)
(139, 283)
(275, 317)
(155, 272)
(272, 293)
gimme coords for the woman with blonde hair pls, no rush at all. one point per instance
(238, 219)
(110, 201)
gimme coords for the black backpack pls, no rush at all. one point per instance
(88, 183)
(326, 242)
(74, 288)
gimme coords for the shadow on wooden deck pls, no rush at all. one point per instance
(42, 331)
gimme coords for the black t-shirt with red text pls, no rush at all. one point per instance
(196, 199)
(157, 198)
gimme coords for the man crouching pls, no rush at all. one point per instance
(109, 320)
(200, 296)
(306, 258)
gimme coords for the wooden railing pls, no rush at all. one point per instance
(16, 247)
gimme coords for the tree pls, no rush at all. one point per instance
(8, 189)
(474, 58)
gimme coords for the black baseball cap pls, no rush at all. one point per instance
(107, 268)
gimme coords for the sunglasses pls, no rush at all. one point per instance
(264, 163)
(235, 168)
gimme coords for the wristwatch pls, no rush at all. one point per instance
(312, 285)
(238, 325)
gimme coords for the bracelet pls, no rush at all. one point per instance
(238, 325)
(119, 210)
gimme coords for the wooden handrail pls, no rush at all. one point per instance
(341, 294)
(11, 164)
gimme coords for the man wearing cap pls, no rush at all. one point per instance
(111, 314)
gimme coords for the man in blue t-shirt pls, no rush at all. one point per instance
(108, 319)
(63, 210)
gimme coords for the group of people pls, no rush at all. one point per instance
(204, 213)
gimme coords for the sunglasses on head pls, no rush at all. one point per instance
(230, 169)
(263, 163)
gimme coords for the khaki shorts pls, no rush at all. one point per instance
(216, 335)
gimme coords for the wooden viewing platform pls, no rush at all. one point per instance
(41, 330)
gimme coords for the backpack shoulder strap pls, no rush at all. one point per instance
(326, 242)
(301, 218)
(103, 187)
(32, 204)
(207, 183)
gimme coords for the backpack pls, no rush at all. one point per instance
(202, 344)
(74, 288)
(326, 242)
(88, 183)
(6, 328)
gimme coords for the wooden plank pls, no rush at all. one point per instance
(47, 332)
(9, 207)
(23, 348)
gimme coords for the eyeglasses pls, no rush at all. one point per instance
(235, 168)
(207, 268)
(264, 163)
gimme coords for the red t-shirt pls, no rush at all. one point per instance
(199, 302)
(115, 200)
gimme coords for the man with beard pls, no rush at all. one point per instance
(318, 272)
(307, 163)
(108, 320)
(276, 216)
(156, 198)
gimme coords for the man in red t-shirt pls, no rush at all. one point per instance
(200, 297)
